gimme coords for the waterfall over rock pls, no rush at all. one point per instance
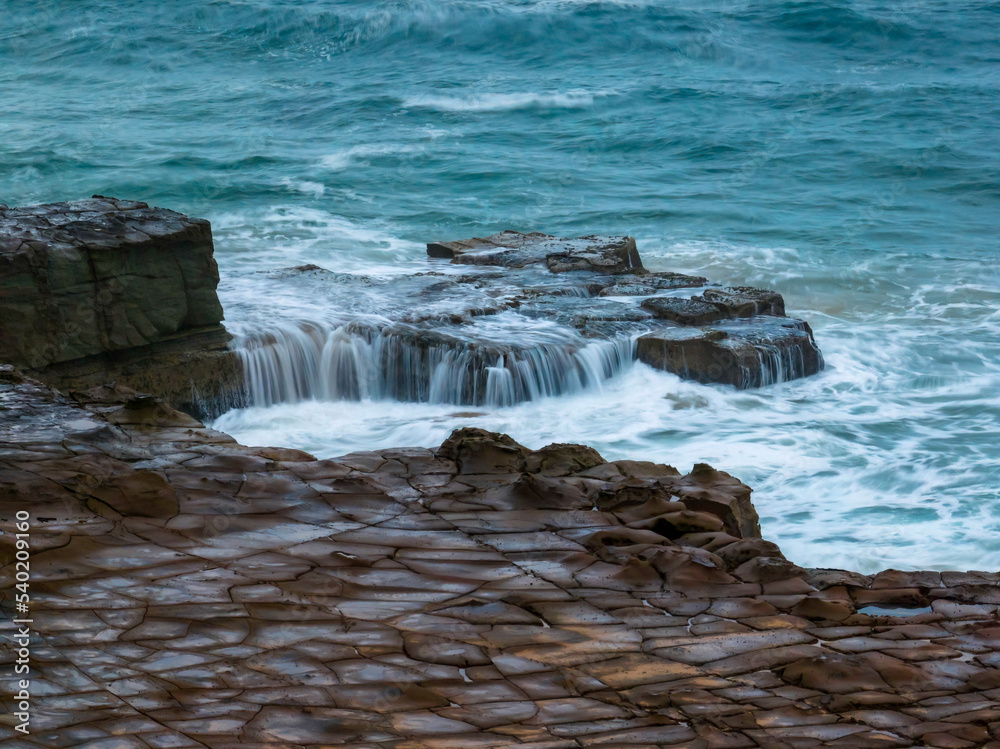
(296, 362)
(507, 319)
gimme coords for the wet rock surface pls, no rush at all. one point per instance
(685, 325)
(100, 290)
(513, 249)
(105, 290)
(510, 318)
(188, 591)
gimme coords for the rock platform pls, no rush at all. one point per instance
(114, 291)
(188, 591)
(686, 325)
(506, 319)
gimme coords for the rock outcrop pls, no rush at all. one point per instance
(686, 326)
(110, 291)
(100, 290)
(188, 591)
(511, 249)
(525, 316)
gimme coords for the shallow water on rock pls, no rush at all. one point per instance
(842, 153)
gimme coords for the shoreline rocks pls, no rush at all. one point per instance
(97, 290)
(110, 291)
(100, 275)
(512, 249)
(737, 336)
(191, 591)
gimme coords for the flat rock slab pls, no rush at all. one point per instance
(511, 249)
(188, 591)
(662, 312)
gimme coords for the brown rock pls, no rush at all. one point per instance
(813, 607)
(476, 451)
(140, 494)
(747, 549)
(563, 460)
(767, 569)
(673, 525)
(835, 674)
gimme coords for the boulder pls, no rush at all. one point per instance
(478, 451)
(748, 353)
(100, 275)
(106, 290)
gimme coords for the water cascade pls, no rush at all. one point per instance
(355, 361)
(778, 363)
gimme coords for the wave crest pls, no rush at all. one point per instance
(496, 102)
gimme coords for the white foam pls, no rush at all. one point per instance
(499, 102)
(290, 235)
(316, 189)
(359, 154)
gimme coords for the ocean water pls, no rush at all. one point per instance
(843, 153)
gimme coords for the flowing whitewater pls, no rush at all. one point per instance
(308, 361)
(840, 152)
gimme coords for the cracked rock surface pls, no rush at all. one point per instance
(188, 591)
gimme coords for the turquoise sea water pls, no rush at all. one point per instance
(843, 153)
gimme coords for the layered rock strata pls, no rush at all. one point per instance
(188, 591)
(100, 290)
